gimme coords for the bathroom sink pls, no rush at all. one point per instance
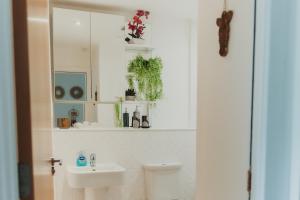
(100, 176)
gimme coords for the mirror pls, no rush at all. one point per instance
(72, 65)
(90, 62)
(108, 55)
(100, 70)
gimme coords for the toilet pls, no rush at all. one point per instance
(162, 181)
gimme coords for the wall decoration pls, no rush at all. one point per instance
(67, 80)
(76, 92)
(224, 30)
(137, 26)
(59, 92)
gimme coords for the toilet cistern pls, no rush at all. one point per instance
(93, 160)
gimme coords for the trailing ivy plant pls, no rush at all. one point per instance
(146, 73)
(130, 79)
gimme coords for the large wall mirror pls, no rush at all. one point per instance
(91, 54)
(89, 61)
(73, 73)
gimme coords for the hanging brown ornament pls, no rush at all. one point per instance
(224, 30)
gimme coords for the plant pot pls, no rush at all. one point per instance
(137, 41)
(130, 98)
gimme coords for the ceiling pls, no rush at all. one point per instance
(178, 8)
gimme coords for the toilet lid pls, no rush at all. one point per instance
(162, 166)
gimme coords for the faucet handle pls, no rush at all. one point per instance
(93, 156)
(93, 160)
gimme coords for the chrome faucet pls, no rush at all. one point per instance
(93, 160)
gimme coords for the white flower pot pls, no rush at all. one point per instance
(130, 98)
(137, 41)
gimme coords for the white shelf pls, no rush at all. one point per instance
(138, 47)
(75, 102)
(138, 102)
(102, 102)
(126, 130)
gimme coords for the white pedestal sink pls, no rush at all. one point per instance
(97, 180)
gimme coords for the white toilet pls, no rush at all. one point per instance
(162, 181)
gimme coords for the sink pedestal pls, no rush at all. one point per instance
(95, 193)
(100, 182)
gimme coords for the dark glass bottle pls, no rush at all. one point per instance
(136, 122)
(145, 122)
(126, 118)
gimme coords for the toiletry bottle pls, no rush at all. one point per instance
(145, 122)
(136, 118)
(81, 159)
(126, 118)
(73, 113)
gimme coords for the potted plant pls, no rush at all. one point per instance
(136, 27)
(146, 73)
(130, 95)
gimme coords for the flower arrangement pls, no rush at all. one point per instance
(136, 25)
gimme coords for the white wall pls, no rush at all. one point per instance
(172, 42)
(131, 149)
(224, 102)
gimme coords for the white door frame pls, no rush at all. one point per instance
(260, 100)
(8, 146)
(295, 144)
(263, 16)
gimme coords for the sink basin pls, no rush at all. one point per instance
(100, 176)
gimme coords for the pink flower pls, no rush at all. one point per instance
(131, 26)
(140, 13)
(140, 29)
(137, 20)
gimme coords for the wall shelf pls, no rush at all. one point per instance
(138, 102)
(138, 47)
(104, 102)
(126, 130)
(75, 102)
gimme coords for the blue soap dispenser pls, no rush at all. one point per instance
(81, 159)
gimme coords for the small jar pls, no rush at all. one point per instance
(63, 123)
(145, 122)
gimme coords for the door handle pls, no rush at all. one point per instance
(53, 162)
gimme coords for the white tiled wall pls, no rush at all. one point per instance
(130, 149)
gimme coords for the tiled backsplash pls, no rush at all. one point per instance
(131, 150)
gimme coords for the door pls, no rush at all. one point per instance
(34, 104)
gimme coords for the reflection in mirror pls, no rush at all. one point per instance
(108, 55)
(107, 71)
(72, 66)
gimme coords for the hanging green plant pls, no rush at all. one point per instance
(147, 75)
(130, 79)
